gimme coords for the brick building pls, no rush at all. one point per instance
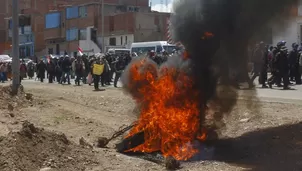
(61, 26)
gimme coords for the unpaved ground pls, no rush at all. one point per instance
(265, 138)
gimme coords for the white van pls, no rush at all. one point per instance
(156, 46)
(118, 51)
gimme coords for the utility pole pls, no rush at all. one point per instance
(15, 44)
(103, 21)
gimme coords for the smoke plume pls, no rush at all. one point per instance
(233, 24)
(216, 35)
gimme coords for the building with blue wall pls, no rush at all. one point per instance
(26, 40)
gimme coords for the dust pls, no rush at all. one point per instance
(34, 148)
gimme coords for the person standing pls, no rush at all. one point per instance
(41, 68)
(51, 69)
(30, 69)
(260, 64)
(97, 70)
(293, 58)
(119, 67)
(2, 70)
(23, 70)
(79, 70)
(66, 69)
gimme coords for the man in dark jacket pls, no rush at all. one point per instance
(260, 59)
(293, 58)
(79, 70)
(51, 68)
(119, 67)
(41, 68)
(66, 67)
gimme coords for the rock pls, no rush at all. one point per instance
(84, 143)
(15, 123)
(171, 163)
(29, 96)
(11, 115)
(70, 158)
(46, 169)
(2, 138)
(245, 120)
(77, 117)
(102, 142)
(10, 107)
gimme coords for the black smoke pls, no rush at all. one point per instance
(217, 62)
(223, 58)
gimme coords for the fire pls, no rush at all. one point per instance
(169, 113)
(207, 35)
(186, 54)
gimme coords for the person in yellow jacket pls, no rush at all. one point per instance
(97, 70)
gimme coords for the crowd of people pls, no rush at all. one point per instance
(104, 69)
(98, 69)
(284, 65)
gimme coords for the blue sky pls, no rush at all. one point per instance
(158, 7)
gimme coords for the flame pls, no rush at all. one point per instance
(170, 112)
(186, 55)
(207, 35)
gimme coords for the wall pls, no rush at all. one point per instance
(88, 44)
(69, 46)
(150, 26)
(130, 40)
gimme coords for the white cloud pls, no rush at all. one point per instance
(162, 7)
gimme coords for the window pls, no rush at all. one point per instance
(27, 51)
(52, 20)
(159, 49)
(22, 52)
(72, 12)
(126, 39)
(93, 34)
(27, 30)
(133, 9)
(112, 41)
(170, 49)
(22, 29)
(29, 38)
(142, 49)
(83, 34)
(50, 50)
(82, 11)
(121, 40)
(10, 24)
(72, 34)
(57, 49)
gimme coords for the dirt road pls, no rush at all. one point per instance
(268, 138)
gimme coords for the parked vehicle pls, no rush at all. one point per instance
(156, 46)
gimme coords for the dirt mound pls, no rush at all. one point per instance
(33, 148)
(8, 101)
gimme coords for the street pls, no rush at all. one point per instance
(78, 111)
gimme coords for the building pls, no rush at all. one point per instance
(61, 26)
